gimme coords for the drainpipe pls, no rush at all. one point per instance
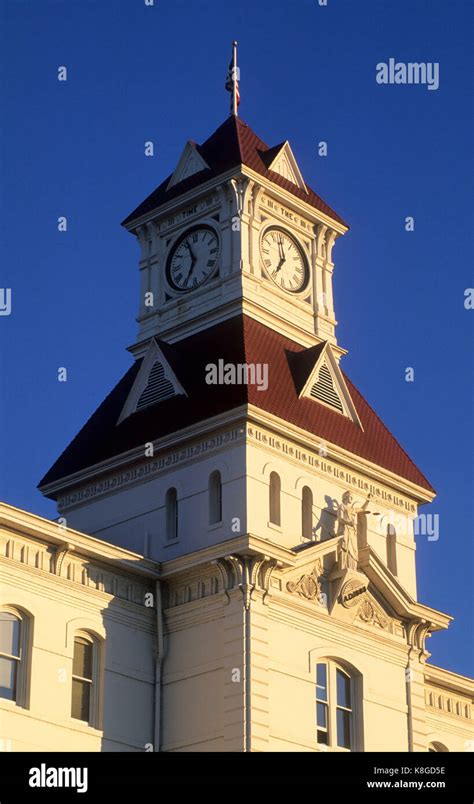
(158, 669)
(409, 704)
(246, 588)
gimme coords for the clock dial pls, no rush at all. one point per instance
(193, 258)
(284, 260)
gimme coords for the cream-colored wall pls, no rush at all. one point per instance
(449, 734)
(262, 461)
(301, 637)
(57, 609)
(193, 684)
(135, 517)
(238, 660)
(449, 710)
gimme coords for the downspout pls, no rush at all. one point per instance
(158, 669)
(247, 662)
(409, 706)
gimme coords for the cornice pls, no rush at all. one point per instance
(446, 679)
(185, 198)
(136, 455)
(24, 524)
(316, 215)
(247, 544)
(397, 597)
(308, 440)
(83, 598)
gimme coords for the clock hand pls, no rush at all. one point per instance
(280, 246)
(191, 252)
(193, 262)
(278, 268)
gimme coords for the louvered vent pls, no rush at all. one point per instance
(158, 387)
(324, 389)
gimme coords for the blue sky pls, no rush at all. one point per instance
(138, 73)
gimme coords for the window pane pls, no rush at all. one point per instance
(275, 489)
(215, 498)
(321, 715)
(81, 691)
(171, 514)
(323, 737)
(9, 634)
(343, 690)
(82, 663)
(8, 675)
(307, 513)
(321, 681)
(344, 720)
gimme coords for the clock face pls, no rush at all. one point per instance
(193, 258)
(284, 260)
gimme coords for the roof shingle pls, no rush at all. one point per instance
(237, 340)
(231, 145)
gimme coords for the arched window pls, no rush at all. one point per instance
(307, 513)
(438, 748)
(275, 494)
(392, 549)
(215, 498)
(171, 514)
(335, 704)
(14, 648)
(85, 672)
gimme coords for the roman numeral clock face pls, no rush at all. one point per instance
(284, 260)
(193, 258)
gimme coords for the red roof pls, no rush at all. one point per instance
(232, 144)
(237, 340)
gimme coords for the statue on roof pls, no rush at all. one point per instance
(346, 513)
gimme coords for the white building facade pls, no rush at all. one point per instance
(233, 567)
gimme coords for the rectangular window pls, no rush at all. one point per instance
(10, 626)
(322, 704)
(344, 729)
(334, 707)
(82, 679)
(344, 710)
(81, 699)
(8, 678)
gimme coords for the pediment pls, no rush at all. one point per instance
(345, 595)
(189, 163)
(285, 164)
(371, 613)
(155, 382)
(317, 376)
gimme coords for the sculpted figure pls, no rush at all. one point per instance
(347, 528)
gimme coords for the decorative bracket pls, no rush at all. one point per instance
(61, 552)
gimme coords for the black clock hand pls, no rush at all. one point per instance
(191, 253)
(279, 266)
(280, 246)
(193, 261)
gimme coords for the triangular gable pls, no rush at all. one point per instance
(383, 602)
(285, 164)
(190, 162)
(232, 145)
(325, 384)
(155, 382)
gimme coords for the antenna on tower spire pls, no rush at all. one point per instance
(232, 81)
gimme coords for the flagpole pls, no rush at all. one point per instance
(234, 83)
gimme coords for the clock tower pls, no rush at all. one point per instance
(276, 505)
(235, 229)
